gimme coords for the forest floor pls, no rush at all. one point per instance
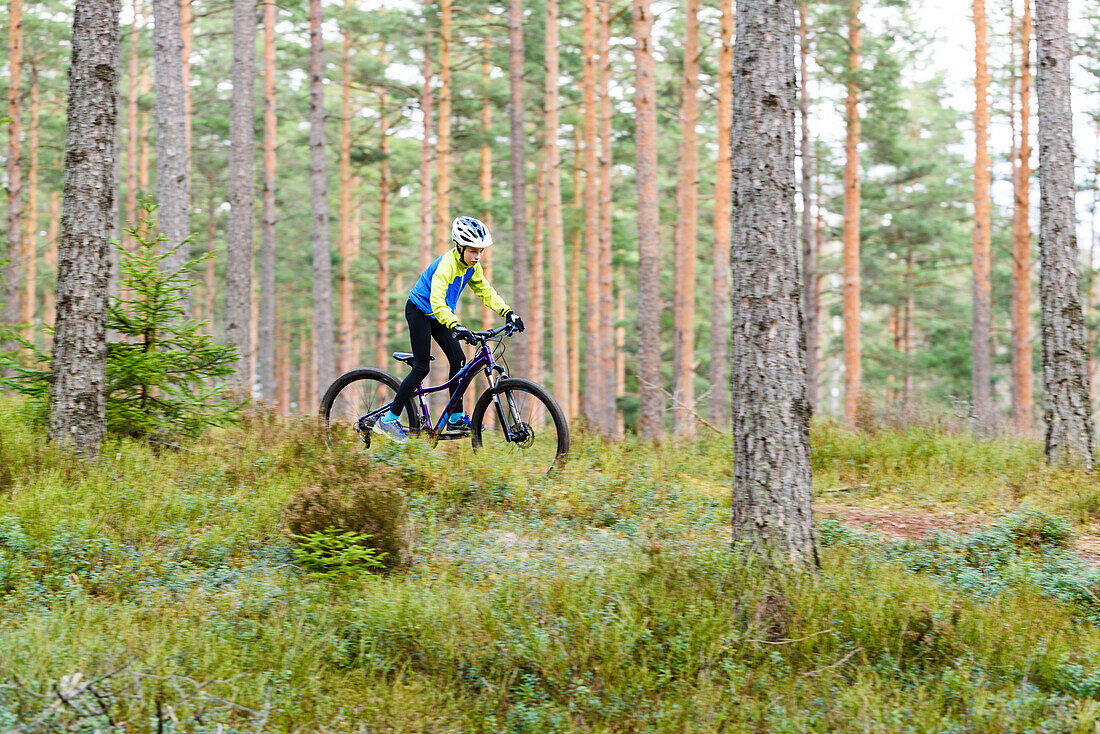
(894, 525)
(157, 590)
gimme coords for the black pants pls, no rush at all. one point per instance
(422, 329)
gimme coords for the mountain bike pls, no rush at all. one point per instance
(513, 413)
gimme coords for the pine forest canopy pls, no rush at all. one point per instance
(397, 152)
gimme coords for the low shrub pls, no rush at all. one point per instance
(354, 494)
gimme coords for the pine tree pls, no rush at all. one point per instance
(12, 282)
(772, 515)
(683, 332)
(322, 337)
(852, 350)
(1067, 410)
(78, 379)
(649, 275)
(173, 166)
(267, 301)
(981, 359)
(1021, 243)
(238, 273)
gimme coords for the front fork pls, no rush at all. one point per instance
(508, 414)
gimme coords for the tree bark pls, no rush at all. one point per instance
(683, 319)
(324, 362)
(852, 351)
(238, 269)
(426, 216)
(133, 132)
(345, 331)
(443, 145)
(267, 218)
(809, 264)
(187, 22)
(981, 334)
(173, 177)
(650, 402)
(517, 140)
(79, 367)
(772, 515)
(1021, 244)
(1066, 403)
(593, 367)
(49, 301)
(719, 411)
(535, 336)
(12, 283)
(30, 234)
(606, 352)
(383, 308)
(282, 371)
(575, 281)
(485, 175)
(554, 225)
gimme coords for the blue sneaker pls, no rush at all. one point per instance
(458, 422)
(392, 430)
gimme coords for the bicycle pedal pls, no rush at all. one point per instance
(445, 435)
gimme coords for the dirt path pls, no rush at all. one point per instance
(912, 525)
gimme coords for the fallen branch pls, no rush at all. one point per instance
(837, 664)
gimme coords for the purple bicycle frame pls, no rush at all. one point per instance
(483, 359)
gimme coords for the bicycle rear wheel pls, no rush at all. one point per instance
(526, 420)
(355, 395)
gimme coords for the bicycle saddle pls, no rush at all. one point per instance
(406, 357)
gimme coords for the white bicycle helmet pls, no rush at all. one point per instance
(470, 232)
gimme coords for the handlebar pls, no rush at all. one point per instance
(475, 337)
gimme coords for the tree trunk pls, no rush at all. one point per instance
(78, 378)
(981, 335)
(144, 88)
(1021, 244)
(306, 372)
(211, 248)
(485, 176)
(187, 22)
(606, 353)
(282, 371)
(267, 220)
(49, 301)
(575, 281)
(809, 264)
(554, 225)
(517, 141)
(426, 216)
(238, 269)
(12, 282)
(718, 414)
(593, 367)
(383, 308)
(173, 178)
(30, 235)
(852, 352)
(324, 362)
(1067, 410)
(620, 352)
(443, 146)
(683, 319)
(345, 331)
(649, 255)
(535, 337)
(133, 133)
(772, 515)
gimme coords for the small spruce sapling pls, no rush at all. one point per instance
(164, 377)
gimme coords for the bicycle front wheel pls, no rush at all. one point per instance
(520, 416)
(349, 402)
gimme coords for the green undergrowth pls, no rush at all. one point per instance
(162, 590)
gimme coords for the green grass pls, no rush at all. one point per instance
(603, 599)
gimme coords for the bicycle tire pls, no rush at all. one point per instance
(344, 385)
(539, 393)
